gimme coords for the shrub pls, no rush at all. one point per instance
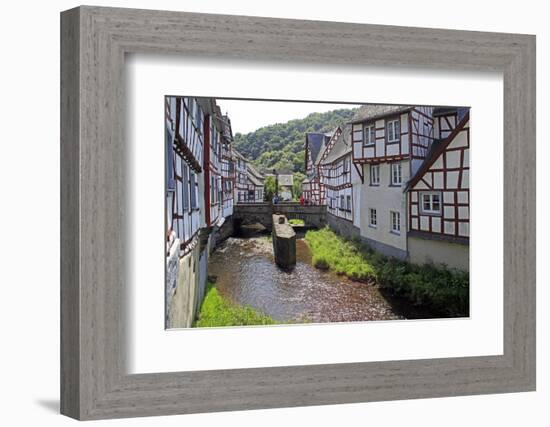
(320, 262)
(437, 287)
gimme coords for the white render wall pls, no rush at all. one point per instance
(453, 255)
(384, 198)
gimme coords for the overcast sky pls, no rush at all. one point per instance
(247, 116)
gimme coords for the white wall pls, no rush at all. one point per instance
(384, 198)
(30, 331)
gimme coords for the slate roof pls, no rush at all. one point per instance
(254, 176)
(227, 131)
(341, 146)
(374, 111)
(268, 172)
(316, 143)
(238, 154)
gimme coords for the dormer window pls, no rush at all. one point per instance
(393, 130)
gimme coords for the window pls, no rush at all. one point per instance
(193, 189)
(198, 116)
(372, 218)
(369, 134)
(185, 180)
(374, 174)
(431, 203)
(393, 131)
(348, 203)
(212, 190)
(395, 173)
(213, 139)
(346, 166)
(395, 220)
(170, 181)
(342, 206)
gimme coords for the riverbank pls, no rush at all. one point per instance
(217, 310)
(247, 275)
(442, 290)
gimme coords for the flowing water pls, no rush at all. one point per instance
(245, 272)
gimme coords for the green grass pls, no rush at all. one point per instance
(217, 310)
(296, 222)
(437, 287)
(330, 251)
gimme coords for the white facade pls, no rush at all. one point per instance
(380, 202)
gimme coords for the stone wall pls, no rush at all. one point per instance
(248, 213)
(284, 242)
(186, 277)
(225, 231)
(385, 249)
(182, 304)
(342, 227)
(172, 273)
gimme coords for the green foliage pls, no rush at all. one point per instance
(297, 185)
(332, 252)
(281, 146)
(217, 310)
(269, 187)
(296, 222)
(443, 290)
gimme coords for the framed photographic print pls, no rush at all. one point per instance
(345, 212)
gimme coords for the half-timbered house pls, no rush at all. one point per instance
(389, 144)
(228, 167)
(241, 177)
(213, 142)
(184, 161)
(340, 176)
(185, 208)
(317, 146)
(439, 195)
(199, 197)
(255, 185)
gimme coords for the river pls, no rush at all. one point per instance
(245, 272)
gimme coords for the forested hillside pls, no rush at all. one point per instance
(281, 145)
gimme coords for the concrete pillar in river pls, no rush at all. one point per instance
(284, 242)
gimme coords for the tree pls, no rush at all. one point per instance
(297, 185)
(269, 187)
(281, 145)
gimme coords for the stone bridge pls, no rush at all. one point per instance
(250, 213)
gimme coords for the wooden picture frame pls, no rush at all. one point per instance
(94, 382)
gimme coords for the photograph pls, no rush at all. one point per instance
(290, 212)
